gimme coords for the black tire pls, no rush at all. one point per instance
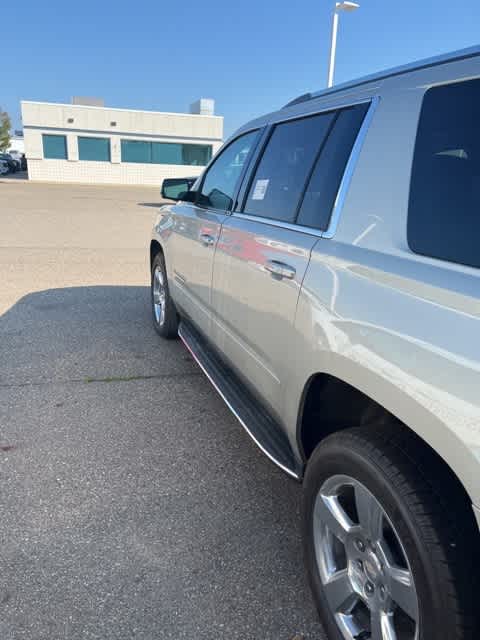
(432, 516)
(165, 325)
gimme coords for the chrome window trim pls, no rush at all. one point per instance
(349, 170)
(278, 223)
(329, 232)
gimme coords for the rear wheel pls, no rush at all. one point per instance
(165, 317)
(390, 555)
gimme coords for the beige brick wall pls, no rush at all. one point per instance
(107, 172)
(33, 144)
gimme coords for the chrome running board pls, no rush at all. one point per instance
(260, 426)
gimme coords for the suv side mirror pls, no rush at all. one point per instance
(179, 189)
(188, 196)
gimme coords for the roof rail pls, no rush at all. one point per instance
(303, 98)
(453, 56)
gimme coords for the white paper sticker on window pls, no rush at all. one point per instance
(260, 189)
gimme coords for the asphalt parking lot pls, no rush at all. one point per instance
(133, 505)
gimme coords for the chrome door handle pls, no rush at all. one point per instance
(280, 269)
(207, 239)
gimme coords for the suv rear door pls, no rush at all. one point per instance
(264, 249)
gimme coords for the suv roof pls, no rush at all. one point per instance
(461, 54)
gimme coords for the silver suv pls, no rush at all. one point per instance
(324, 273)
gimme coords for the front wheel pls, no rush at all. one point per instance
(165, 317)
(391, 555)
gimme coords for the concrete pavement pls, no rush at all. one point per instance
(132, 503)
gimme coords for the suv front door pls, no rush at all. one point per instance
(197, 228)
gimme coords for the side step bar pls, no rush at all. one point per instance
(260, 426)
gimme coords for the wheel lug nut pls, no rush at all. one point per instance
(369, 589)
(360, 545)
(383, 592)
(360, 565)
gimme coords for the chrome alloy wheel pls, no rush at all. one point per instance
(364, 570)
(159, 295)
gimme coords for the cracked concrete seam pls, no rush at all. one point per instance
(89, 380)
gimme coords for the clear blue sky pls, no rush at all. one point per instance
(251, 56)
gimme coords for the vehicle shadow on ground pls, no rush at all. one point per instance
(81, 332)
(133, 504)
(18, 175)
(155, 205)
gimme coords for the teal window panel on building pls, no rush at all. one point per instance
(179, 153)
(166, 152)
(54, 147)
(196, 154)
(136, 151)
(97, 149)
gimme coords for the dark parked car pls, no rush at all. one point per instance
(12, 164)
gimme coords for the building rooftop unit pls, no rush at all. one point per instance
(88, 102)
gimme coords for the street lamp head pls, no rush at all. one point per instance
(346, 6)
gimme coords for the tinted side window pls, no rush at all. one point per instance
(323, 186)
(443, 213)
(285, 166)
(222, 177)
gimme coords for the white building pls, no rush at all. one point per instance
(96, 144)
(17, 144)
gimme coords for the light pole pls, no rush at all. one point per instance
(339, 6)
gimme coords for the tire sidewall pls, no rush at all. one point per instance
(340, 460)
(168, 328)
